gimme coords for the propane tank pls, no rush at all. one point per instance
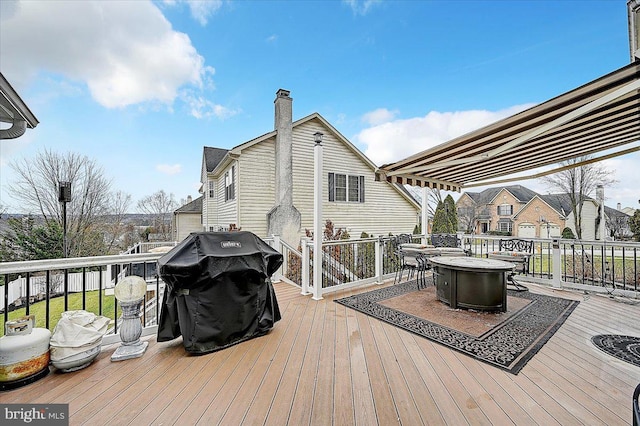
(24, 353)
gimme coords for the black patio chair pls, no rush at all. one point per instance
(522, 263)
(449, 241)
(421, 271)
(406, 262)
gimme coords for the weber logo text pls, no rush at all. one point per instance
(230, 244)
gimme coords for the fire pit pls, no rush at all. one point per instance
(471, 282)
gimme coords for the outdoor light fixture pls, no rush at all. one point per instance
(130, 293)
(317, 137)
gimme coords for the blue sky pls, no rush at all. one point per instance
(142, 86)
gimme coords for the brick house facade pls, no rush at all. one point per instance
(515, 210)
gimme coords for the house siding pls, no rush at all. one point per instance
(589, 214)
(383, 211)
(187, 223)
(209, 205)
(256, 184)
(227, 210)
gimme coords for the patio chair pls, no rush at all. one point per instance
(407, 262)
(403, 239)
(518, 252)
(423, 267)
(450, 243)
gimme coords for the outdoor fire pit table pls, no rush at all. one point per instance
(471, 282)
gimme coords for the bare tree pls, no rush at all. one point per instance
(36, 189)
(114, 225)
(160, 206)
(579, 183)
(618, 226)
(468, 215)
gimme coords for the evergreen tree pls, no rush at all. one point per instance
(567, 234)
(452, 214)
(440, 223)
(634, 225)
(24, 239)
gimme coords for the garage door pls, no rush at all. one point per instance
(526, 230)
(554, 230)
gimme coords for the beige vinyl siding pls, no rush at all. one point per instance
(589, 214)
(227, 210)
(256, 186)
(384, 209)
(210, 206)
(187, 223)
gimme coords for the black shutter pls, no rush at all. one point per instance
(361, 189)
(332, 187)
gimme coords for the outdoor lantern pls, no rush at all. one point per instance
(130, 293)
(317, 137)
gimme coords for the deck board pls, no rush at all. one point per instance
(324, 363)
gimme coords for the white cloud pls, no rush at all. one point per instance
(626, 191)
(379, 116)
(169, 169)
(125, 52)
(394, 140)
(272, 38)
(200, 107)
(361, 7)
(201, 10)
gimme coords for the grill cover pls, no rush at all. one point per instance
(218, 290)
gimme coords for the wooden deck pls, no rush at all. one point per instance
(326, 364)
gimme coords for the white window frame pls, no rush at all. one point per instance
(344, 188)
(503, 207)
(212, 187)
(229, 184)
(509, 226)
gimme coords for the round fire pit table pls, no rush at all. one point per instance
(471, 282)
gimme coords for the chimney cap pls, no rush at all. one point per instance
(282, 93)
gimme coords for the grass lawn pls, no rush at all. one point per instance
(56, 307)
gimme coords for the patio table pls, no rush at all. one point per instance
(471, 282)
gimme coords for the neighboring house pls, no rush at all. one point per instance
(497, 209)
(187, 219)
(265, 185)
(527, 214)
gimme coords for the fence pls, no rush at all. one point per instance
(606, 267)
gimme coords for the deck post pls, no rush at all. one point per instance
(305, 266)
(378, 259)
(556, 279)
(317, 217)
(425, 214)
(277, 245)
